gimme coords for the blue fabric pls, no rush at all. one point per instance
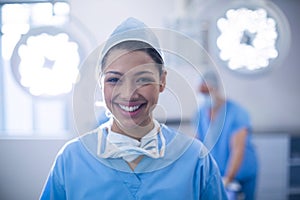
(79, 174)
(231, 118)
(129, 30)
(129, 24)
(236, 118)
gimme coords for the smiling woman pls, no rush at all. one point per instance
(131, 85)
(133, 156)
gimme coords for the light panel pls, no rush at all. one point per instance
(46, 62)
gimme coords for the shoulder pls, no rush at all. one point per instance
(69, 146)
(174, 135)
(235, 106)
(188, 145)
(78, 144)
(238, 115)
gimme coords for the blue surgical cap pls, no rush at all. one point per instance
(211, 78)
(131, 30)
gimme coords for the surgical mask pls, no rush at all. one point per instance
(121, 146)
(208, 100)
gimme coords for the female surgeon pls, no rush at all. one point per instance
(132, 156)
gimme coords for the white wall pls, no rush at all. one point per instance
(25, 164)
(273, 155)
(101, 17)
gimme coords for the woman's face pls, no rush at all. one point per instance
(131, 85)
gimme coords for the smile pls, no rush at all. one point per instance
(129, 108)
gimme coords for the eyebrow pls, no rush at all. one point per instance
(114, 72)
(121, 74)
(143, 72)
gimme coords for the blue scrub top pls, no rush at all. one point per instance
(186, 171)
(230, 119)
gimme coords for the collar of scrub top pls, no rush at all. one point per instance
(176, 144)
(121, 146)
(131, 30)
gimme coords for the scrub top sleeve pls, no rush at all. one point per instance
(214, 189)
(211, 186)
(195, 119)
(54, 187)
(242, 119)
(197, 123)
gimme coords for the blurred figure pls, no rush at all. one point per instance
(224, 127)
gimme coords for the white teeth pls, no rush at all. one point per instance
(129, 108)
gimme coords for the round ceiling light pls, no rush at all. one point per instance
(45, 61)
(251, 36)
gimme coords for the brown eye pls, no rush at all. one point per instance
(113, 80)
(145, 80)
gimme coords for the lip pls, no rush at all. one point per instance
(130, 109)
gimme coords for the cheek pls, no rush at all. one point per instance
(203, 89)
(107, 94)
(152, 94)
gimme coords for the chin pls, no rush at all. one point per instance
(130, 123)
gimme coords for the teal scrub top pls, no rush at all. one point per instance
(230, 119)
(186, 172)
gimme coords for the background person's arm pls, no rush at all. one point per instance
(237, 144)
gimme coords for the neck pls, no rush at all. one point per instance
(135, 162)
(136, 132)
(219, 102)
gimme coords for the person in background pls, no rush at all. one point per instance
(224, 127)
(132, 156)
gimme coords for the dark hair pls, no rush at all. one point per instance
(135, 45)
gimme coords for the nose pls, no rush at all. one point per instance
(203, 88)
(127, 90)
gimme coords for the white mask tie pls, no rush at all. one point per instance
(122, 146)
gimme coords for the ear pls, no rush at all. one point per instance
(163, 81)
